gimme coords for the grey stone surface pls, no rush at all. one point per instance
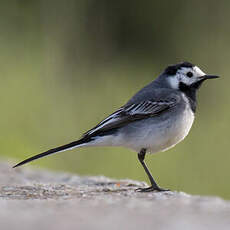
(38, 199)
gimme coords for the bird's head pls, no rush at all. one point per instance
(185, 76)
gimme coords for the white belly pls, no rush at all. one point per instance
(164, 135)
(176, 133)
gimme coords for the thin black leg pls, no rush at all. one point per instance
(154, 186)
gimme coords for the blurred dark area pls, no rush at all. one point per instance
(66, 65)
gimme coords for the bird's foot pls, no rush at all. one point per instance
(152, 189)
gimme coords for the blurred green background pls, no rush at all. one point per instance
(66, 65)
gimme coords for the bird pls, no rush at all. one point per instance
(155, 119)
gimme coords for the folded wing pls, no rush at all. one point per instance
(133, 112)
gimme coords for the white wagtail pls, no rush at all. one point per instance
(155, 119)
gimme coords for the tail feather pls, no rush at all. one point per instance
(54, 150)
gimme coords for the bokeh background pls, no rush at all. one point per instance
(66, 65)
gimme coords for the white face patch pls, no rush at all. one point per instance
(181, 76)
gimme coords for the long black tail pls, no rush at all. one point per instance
(54, 150)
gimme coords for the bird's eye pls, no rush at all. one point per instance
(189, 74)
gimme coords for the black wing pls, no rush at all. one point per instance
(133, 112)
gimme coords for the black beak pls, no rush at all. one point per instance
(201, 79)
(209, 77)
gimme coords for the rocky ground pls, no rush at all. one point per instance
(38, 199)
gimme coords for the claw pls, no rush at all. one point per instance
(152, 189)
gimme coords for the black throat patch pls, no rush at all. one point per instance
(190, 93)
